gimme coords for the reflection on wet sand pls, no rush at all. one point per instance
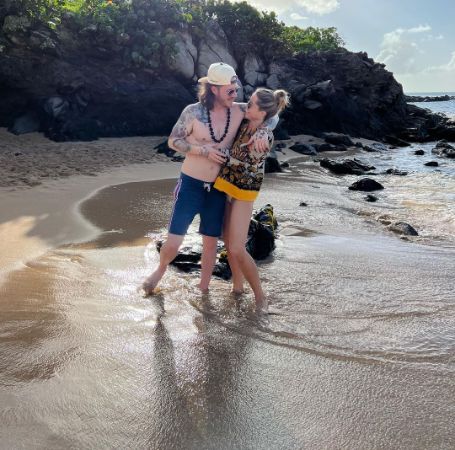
(197, 383)
(31, 323)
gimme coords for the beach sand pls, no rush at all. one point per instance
(350, 360)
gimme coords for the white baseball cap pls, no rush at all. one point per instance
(220, 74)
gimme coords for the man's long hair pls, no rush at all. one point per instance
(206, 96)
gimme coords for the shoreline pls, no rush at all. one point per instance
(36, 217)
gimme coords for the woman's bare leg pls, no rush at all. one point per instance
(239, 223)
(168, 252)
(237, 276)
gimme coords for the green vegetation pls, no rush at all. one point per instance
(144, 31)
(309, 39)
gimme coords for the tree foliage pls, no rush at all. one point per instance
(145, 30)
(309, 39)
(247, 29)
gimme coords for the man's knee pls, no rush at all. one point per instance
(209, 242)
(172, 244)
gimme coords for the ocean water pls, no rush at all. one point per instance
(447, 108)
(426, 196)
(358, 353)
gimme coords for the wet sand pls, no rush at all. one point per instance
(359, 355)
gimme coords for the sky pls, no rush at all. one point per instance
(415, 39)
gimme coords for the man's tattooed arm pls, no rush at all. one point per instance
(182, 129)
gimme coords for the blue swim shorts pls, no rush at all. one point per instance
(191, 197)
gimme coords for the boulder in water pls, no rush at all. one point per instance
(347, 166)
(403, 228)
(303, 149)
(396, 172)
(260, 243)
(338, 139)
(366, 184)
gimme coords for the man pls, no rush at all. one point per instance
(203, 133)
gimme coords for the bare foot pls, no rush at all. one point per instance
(151, 282)
(204, 290)
(262, 307)
(237, 293)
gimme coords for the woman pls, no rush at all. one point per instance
(241, 180)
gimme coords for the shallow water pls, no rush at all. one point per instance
(425, 197)
(359, 352)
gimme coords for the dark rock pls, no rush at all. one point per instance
(261, 233)
(371, 198)
(338, 139)
(304, 149)
(260, 243)
(366, 184)
(443, 131)
(303, 204)
(436, 98)
(396, 172)
(393, 140)
(56, 107)
(330, 148)
(403, 228)
(432, 164)
(376, 147)
(284, 165)
(103, 84)
(272, 165)
(356, 96)
(344, 167)
(280, 145)
(443, 148)
(75, 128)
(444, 145)
(28, 123)
(164, 148)
(280, 133)
(419, 152)
(358, 144)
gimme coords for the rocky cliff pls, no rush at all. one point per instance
(50, 82)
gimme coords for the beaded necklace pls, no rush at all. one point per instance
(226, 128)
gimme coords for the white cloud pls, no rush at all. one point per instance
(400, 52)
(419, 29)
(432, 37)
(449, 67)
(320, 7)
(431, 79)
(297, 16)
